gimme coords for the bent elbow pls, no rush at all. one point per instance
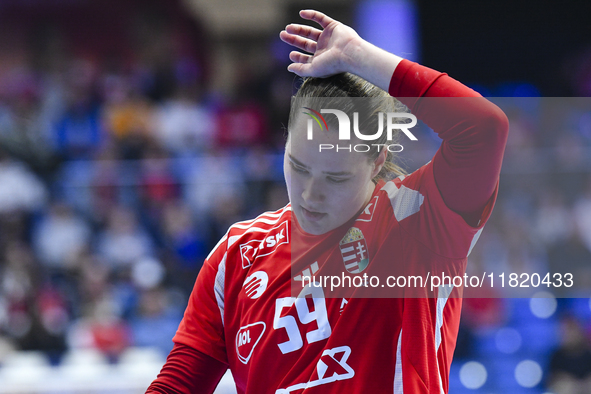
(496, 126)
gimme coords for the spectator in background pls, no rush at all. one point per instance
(181, 235)
(259, 176)
(49, 321)
(225, 211)
(553, 220)
(213, 178)
(184, 125)
(124, 241)
(187, 244)
(159, 185)
(156, 319)
(582, 214)
(78, 133)
(242, 124)
(60, 237)
(570, 364)
(276, 197)
(26, 117)
(129, 118)
(101, 328)
(104, 181)
(571, 255)
(93, 280)
(36, 313)
(21, 189)
(17, 271)
(571, 157)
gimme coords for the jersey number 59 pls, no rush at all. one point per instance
(306, 316)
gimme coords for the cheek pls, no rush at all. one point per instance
(341, 199)
(350, 198)
(287, 176)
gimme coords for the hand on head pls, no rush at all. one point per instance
(329, 48)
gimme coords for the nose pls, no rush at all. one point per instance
(313, 192)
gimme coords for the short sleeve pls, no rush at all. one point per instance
(422, 213)
(202, 327)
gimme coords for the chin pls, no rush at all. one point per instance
(311, 228)
(313, 231)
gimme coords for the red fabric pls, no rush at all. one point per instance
(468, 164)
(187, 370)
(463, 176)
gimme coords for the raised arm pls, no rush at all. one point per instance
(335, 49)
(474, 131)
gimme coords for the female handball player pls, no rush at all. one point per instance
(361, 212)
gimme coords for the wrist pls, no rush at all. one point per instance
(356, 52)
(371, 63)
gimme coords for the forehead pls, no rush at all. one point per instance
(324, 150)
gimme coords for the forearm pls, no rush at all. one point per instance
(371, 63)
(474, 131)
(188, 371)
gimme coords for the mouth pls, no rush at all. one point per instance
(312, 215)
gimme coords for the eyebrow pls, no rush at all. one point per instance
(299, 163)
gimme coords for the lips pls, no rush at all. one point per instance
(312, 215)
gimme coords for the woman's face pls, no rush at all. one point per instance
(326, 188)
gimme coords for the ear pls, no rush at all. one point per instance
(379, 163)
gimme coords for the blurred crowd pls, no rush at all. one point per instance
(118, 174)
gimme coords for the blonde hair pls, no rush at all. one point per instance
(317, 92)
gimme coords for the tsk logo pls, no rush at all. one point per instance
(256, 284)
(247, 338)
(345, 129)
(331, 367)
(354, 251)
(256, 248)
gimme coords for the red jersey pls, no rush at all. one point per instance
(242, 311)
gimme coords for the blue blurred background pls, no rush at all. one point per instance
(133, 133)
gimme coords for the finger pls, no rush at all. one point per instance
(304, 31)
(300, 69)
(298, 42)
(298, 57)
(317, 16)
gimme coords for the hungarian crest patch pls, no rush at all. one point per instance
(354, 251)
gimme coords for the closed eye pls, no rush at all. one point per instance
(302, 170)
(297, 168)
(337, 180)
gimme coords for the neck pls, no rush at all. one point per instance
(370, 190)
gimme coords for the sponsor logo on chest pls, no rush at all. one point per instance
(247, 338)
(331, 367)
(255, 248)
(255, 285)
